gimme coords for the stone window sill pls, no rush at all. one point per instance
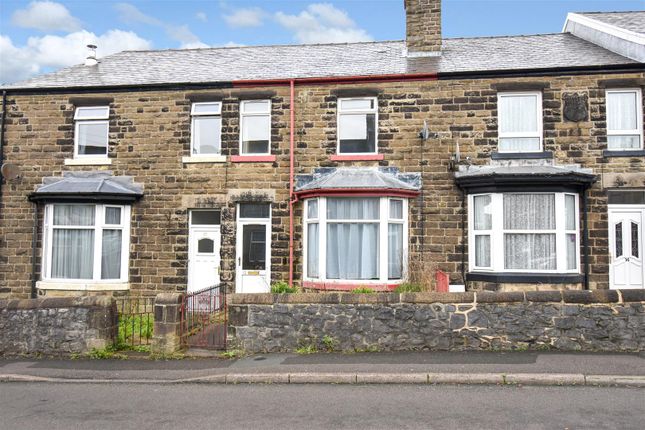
(613, 153)
(345, 286)
(521, 155)
(253, 158)
(88, 161)
(204, 159)
(366, 157)
(526, 278)
(82, 286)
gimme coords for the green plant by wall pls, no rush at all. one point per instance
(329, 343)
(363, 290)
(307, 349)
(409, 287)
(282, 287)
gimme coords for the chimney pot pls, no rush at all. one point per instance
(90, 60)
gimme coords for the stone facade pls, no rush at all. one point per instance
(150, 132)
(565, 321)
(56, 326)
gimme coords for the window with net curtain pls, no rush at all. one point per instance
(524, 232)
(359, 238)
(86, 242)
(519, 117)
(206, 128)
(624, 119)
(91, 128)
(255, 127)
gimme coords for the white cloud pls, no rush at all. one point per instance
(46, 16)
(201, 16)
(249, 17)
(181, 33)
(322, 23)
(52, 51)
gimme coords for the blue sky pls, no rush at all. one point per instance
(40, 36)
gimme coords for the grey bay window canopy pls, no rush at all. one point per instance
(88, 187)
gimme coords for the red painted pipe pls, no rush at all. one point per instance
(292, 127)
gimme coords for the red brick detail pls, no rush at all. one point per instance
(366, 157)
(253, 158)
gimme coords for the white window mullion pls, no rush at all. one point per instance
(383, 257)
(125, 242)
(98, 240)
(497, 235)
(322, 238)
(560, 236)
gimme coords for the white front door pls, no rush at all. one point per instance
(626, 248)
(253, 260)
(204, 240)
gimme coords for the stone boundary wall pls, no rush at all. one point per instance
(599, 320)
(55, 326)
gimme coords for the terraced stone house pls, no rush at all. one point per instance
(508, 163)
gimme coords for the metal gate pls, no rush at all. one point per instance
(203, 319)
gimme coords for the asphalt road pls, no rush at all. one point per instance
(89, 406)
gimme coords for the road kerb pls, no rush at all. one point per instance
(613, 380)
(257, 378)
(392, 378)
(465, 378)
(322, 378)
(544, 379)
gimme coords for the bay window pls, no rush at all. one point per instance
(87, 242)
(91, 129)
(255, 127)
(624, 119)
(519, 121)
(524, 232)
(206, 128)
(357, 125)
(355, 239)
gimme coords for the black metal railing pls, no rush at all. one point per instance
(136, 322)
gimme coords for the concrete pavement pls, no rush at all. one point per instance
(525, 368)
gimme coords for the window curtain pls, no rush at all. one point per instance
(72, 254)
(352, 248)
(482, 251)
(312, 251)
(395, 251)
(111, 255)
(622, 115)
(518, 114)
(207, 137)
(526, 250)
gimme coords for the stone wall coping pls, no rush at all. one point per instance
(168, 298)
(57, 303)
(567, 296)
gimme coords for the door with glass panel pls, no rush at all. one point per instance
(626, 248)
(253, 261)
(204, 240)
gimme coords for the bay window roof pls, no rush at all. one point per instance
(382, 180)
(88, 186)
(473, 178)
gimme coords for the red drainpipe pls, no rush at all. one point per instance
(292, 127)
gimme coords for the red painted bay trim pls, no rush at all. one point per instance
(253, 158)
(340, 286)
(357, 192)
(367, 157)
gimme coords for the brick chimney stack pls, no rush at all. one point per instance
(423, 27)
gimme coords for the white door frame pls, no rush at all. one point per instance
(617, 209)
(239, 243)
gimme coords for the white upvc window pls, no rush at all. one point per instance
(206, 129)
(91, 128)
(358, 240)
(357, 125)
(524, 232)
(255, 127)
(624, 119)
(519, 116)
(86, 242)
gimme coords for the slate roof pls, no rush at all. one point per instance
(76, 185)
(633, 21)
(382, 178)
(134, 68)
